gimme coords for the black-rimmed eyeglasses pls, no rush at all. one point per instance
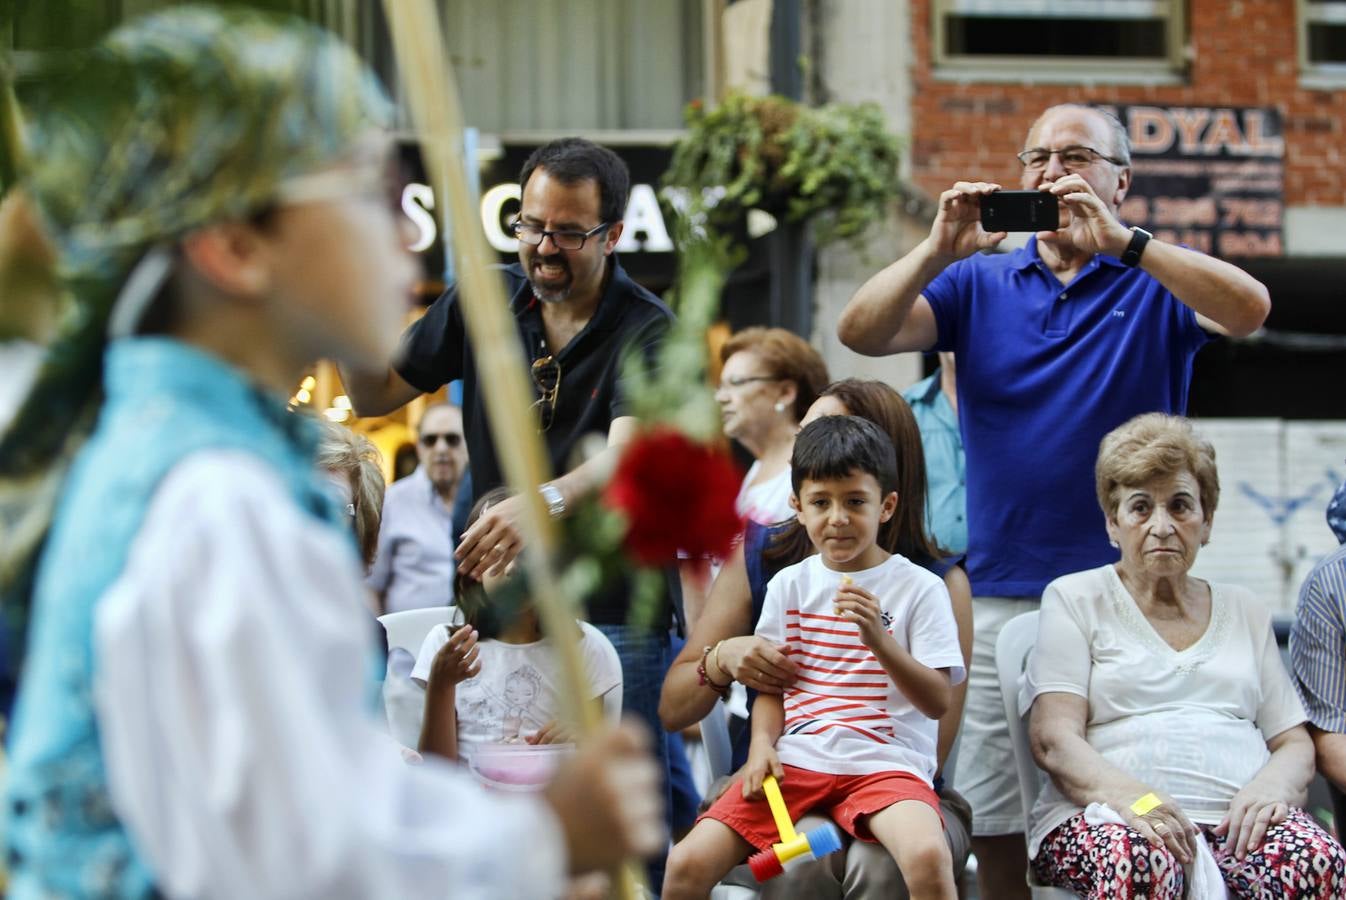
(547, 379)
(1073, 158)
(564, 240)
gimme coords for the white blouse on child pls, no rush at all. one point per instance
(240, 747)
(516, 691)
(1192, 723)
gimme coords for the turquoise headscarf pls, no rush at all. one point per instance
(186, 117)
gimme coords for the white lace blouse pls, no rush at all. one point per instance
(1192, 723)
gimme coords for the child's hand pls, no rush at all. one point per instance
(457, 660)
(552, 733)
(855, 604)
(762, 761)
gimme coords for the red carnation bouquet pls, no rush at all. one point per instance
(677, 496)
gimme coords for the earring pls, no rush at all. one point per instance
(1115, 545)
(780, 406)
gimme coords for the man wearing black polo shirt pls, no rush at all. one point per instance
(577, 314)
(1056, 344)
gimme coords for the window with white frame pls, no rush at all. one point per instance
(1322, 31)
(1087, 38)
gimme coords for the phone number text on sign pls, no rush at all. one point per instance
(1209, 178)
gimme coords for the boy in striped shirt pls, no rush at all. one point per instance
(874, 640)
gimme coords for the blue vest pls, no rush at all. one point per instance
(165, 400)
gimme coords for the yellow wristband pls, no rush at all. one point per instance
(1146, 804)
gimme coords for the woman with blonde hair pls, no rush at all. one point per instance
(355, 467)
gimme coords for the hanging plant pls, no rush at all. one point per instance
(835, 165)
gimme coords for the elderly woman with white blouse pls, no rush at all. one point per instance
(1172, 735)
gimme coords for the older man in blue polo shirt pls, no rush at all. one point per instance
(1057, 343)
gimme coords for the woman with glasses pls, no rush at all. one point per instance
(769, 379)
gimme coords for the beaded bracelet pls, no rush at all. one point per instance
(703, 678)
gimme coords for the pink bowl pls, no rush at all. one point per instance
(517, 767)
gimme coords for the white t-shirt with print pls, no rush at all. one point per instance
(515, 693)
(843, 714)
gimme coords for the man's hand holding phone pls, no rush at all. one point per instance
(1087, 222)
(958, 231)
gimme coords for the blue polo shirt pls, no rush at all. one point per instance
(1044, 372)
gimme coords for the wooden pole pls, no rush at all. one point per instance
(712, 49)
(432, 96)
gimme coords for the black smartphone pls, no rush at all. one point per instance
(1020, 211)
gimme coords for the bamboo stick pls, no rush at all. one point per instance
(432, 96)
(12, 153)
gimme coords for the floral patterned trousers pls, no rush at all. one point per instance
(1297, 859)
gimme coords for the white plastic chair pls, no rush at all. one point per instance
(1011, 656)
(403, 699)
(715, 740)
(407, 629)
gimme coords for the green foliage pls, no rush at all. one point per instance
(835, 165)
(674, 390)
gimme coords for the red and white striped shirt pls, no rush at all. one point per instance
(843, 715)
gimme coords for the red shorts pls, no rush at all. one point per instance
(844, 798)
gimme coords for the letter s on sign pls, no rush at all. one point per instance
(417, 199)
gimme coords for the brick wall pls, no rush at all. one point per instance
(1245, 54)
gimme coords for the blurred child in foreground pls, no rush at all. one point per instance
(192, 718)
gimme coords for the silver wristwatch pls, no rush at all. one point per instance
(555, 500)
